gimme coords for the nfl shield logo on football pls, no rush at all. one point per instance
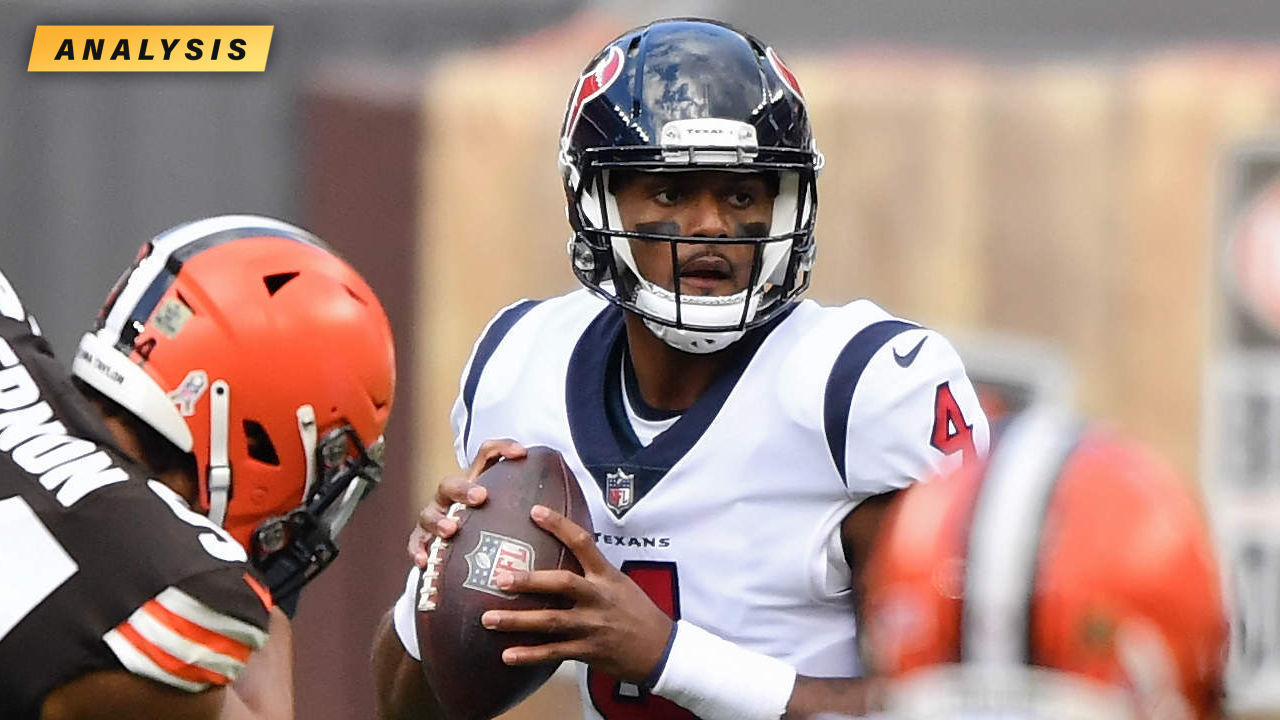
(620, 491)
(493, 554)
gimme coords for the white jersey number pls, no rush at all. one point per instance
(217, 542)
(32, 555)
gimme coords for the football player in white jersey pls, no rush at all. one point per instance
(737, 445)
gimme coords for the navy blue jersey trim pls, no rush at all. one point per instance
(607, 445)
(848, 369)
(614, 403)
(498, 329)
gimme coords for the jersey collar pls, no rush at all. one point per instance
(624, 470)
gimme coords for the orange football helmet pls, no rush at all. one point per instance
(246, 342)
(1068, 575)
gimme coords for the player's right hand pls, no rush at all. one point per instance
(432, 521)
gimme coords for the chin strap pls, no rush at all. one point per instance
(307, 432)
(219, 469)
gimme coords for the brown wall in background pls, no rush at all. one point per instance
(361, 180)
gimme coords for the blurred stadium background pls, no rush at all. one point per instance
(1059, 186)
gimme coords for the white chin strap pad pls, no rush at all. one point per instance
(697, 310)
(697, 342)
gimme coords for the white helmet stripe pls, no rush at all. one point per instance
(165, 245)
(1004, 540)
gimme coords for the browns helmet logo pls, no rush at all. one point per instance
(784, 72)
(593, 84)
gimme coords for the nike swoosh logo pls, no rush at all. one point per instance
(910, 357)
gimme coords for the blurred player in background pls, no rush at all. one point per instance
(1069, 576)
(737, 446)
(160, 508)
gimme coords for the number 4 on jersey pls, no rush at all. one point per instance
(951, 434)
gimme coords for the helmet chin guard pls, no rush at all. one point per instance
(695, 311)
(679, 96)
(292, 549)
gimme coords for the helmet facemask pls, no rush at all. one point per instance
(290, 550)
(602, 249)
(681, 95)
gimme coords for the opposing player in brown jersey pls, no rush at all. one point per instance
(159, 508)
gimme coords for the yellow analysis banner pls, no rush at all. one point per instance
(150, 48)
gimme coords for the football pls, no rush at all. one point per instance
(463, 660)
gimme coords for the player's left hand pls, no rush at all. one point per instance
(613, 626)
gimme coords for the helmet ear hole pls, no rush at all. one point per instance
(260, 446)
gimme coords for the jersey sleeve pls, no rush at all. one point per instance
(913, 413)
(490, 338)
(196, 634)
(403, 615)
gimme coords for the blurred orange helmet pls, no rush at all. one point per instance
(246, 342)
(1068, 575)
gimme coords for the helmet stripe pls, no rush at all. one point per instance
(1004, 537)
(152, 275)
(784, 73)
(593, 84)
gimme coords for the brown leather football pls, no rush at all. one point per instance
(463, 660)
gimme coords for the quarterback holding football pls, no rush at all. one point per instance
(736, 444)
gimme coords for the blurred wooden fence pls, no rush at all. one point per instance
(1068, 202)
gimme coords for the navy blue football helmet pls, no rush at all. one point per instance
(681, 95)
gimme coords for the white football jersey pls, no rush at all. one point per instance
(730, 517)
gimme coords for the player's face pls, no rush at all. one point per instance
(706, 203)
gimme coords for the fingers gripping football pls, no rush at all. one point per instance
(434, 520)
(461, 659)
(613, 625)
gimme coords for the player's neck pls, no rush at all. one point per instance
(127, 439)
(669, 379)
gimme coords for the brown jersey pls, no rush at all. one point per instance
(101, 567)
